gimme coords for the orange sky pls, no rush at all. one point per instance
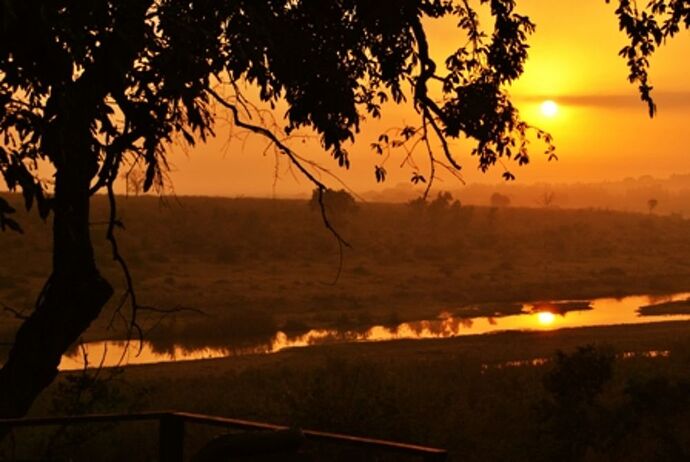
(602, 131)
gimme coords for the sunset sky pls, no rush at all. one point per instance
(601, 129)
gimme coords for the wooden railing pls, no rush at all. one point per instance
(171, 432)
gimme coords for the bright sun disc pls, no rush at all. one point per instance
(546, 318)
(549, 108)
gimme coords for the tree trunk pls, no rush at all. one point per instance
(75, 293)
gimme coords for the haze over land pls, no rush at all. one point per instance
(602, 131)
(537, 320)
(253, 266)
(671, 194)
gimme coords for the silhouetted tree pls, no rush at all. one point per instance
(499, 200)
(547, 199)
(651, 204)
(339, 202)
(442, 201)
(134, 181)
(572, 411)
(645, 420)
(94, 87)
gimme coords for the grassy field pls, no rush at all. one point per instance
(253, 266)
(462, 394)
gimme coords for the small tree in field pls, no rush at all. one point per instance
(335, 202)
(547, 199)
(95, 87)
(499, 200)
(652, 204)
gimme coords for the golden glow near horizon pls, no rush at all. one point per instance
(546, 318)
(601, 129)
(549, 108)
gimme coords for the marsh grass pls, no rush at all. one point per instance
(457, 394)
(271, 262)
(254, 265)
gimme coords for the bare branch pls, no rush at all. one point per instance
(129, 291)
(296, 160)
(430, 152)
(16, 313)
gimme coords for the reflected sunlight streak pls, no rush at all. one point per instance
(605, 311)
(546, 318)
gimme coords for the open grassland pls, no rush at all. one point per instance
(254, 265)
(462, 394)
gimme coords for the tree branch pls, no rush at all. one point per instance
(294, 159)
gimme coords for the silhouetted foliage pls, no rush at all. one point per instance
(442, 201)
(338, 202)
(652, 204)
(547, 198)
(648, 29)
(96, 88)
(647, 420)
(5, 221)
(499, 200)
(88, 392)
(578, 378)
(572, 414)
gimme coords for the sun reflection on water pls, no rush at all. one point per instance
(536, 316)
(546, 318)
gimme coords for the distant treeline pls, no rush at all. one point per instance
(273, 263)
(643, 194)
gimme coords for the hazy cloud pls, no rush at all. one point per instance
(664, 100)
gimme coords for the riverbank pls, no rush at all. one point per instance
(246, 268)
(473, 395)
(481, 319)
(249, 267)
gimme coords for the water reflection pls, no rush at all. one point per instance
(535, 362)
(452, 323)
(546, 318)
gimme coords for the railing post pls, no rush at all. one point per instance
(171, 438)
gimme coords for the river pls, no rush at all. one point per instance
(452, 323)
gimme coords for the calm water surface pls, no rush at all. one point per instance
(534, 316)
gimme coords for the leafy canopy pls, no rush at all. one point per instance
(132, 75)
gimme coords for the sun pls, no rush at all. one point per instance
(549, 108)
(546, 318)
